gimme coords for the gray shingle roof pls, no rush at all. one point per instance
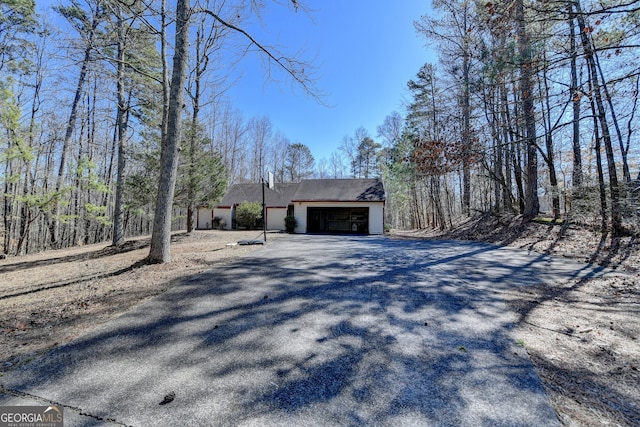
(280, 195)
(324, 190)
(334, 190)
(340, 190)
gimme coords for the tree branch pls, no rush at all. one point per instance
(288, 65)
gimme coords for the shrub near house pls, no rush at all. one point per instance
(290, 223)
(249, 215)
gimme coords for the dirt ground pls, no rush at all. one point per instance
(583, 337)
(50, 298)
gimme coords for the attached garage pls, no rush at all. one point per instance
(340, 206)
(338, 220)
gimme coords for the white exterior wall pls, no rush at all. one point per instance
(225, 214)
(275, 218)
(376, 218)
(203, 219)
(376, 213)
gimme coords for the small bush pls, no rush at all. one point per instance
(249, 215)
(290, 223)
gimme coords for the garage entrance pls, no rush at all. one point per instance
(338, 220)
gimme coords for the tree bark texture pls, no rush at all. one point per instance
(575, 99)
(531, 202)
(121, 127)
(614, 188)
(160, 250)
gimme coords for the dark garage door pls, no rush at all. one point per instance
(338, 220)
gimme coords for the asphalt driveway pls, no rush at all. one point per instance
(318, 331)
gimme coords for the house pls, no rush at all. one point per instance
(319, 205)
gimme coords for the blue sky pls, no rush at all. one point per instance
(365, 52)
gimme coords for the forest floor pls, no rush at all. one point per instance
(583, 337)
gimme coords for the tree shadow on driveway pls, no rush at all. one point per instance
(316, 330)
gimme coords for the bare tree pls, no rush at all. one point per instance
(121, 127)
(322, 168)
(209, 39)
(391, 129)
(453, 32)
(278, 152)
(86, 23)
(575, 97)
(336, 165)
(614, 188)
(161, 238)
(526, 64)
(260, 134)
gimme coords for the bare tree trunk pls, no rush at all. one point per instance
(49, 166)
(506, 150)
(623, 153)
(495, 170)
(614, 188)
(108, 173)
(514, 153)
(631, 121)
(466, 122)
(121, 126)
(7, 209)
(95, 235)
(601, 185)
(531, 202)
(165, 69)
(26, 215)
(437, 203)
(498, 182)
(553, 179)
(575, 98)
(549, 156)
(416, 223)
(191, 193)
(54, 227)
(160, 250)
(200, 68)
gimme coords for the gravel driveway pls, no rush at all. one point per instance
(314, 330)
